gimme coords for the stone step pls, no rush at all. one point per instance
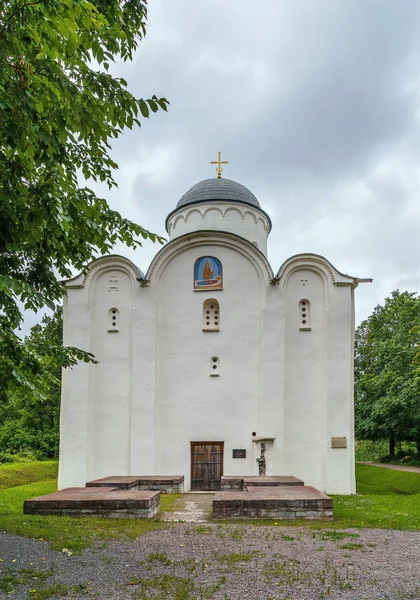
(167, 484)
(234, 482)
(96, 501)
(273, 481)
(280, 502)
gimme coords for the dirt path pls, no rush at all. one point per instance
(390, 466)
(194, 508)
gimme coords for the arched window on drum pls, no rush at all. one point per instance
(305, 315)
(211, 315)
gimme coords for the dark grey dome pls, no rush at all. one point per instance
(218, 189)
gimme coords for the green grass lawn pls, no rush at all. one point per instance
(71, 533)
(168, 501)
(63, 532)
(14, 474)
(386, 499)
(377, 480)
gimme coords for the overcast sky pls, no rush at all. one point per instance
(315, 103)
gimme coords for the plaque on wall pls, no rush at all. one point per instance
(338, 442)
(239, 453)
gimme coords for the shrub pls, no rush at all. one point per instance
(370, 450)
(6, 457)
(20, 457)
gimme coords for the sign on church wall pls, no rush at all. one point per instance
(338, 442)
(208, 273)
(239, 453)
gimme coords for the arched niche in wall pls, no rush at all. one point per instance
(112, 286)
(113, 320)
(203, 238)
(301, 278)
(305, 315)
(214, 366)
(211, 315)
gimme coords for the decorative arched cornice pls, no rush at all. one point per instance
(223, 207)
(234, 209)
(102, 264)
(216, 238)
(263, 222)
(212, 209)
(185, 216)
(173, 225)
(314, 262)
(191, 212)
(254, 216)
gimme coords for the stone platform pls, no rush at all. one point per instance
(273, 502)
(96, 501)
(167, 484)
(233, 482)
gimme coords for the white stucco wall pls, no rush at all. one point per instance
(191, 405)
(152, 394)
(110, 383)
(340, 462)
(96, 399)
(305, 381)
(74, 394)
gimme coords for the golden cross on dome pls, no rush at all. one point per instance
(219, 162)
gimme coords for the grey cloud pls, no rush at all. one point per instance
(307, 100)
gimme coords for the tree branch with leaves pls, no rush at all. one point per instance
(60, 109)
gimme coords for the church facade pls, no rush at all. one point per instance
(209, 355)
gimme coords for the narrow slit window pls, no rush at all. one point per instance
(214, 366)
(305, 315)
(113, 320)
(211, 315)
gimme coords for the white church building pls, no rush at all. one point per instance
(209, 354)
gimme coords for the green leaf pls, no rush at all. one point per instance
(153, 105)
(144, 109)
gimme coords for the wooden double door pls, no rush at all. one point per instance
(206, 465)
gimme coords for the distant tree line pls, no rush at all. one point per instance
(29, 418)
(387, 372)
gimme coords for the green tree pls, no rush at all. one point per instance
(60, 108)
(30, 421)
(387, 375)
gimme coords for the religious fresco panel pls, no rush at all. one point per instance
(208, 273)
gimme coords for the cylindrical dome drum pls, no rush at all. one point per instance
(220, 205)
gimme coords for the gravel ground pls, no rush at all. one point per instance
(224, 562)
